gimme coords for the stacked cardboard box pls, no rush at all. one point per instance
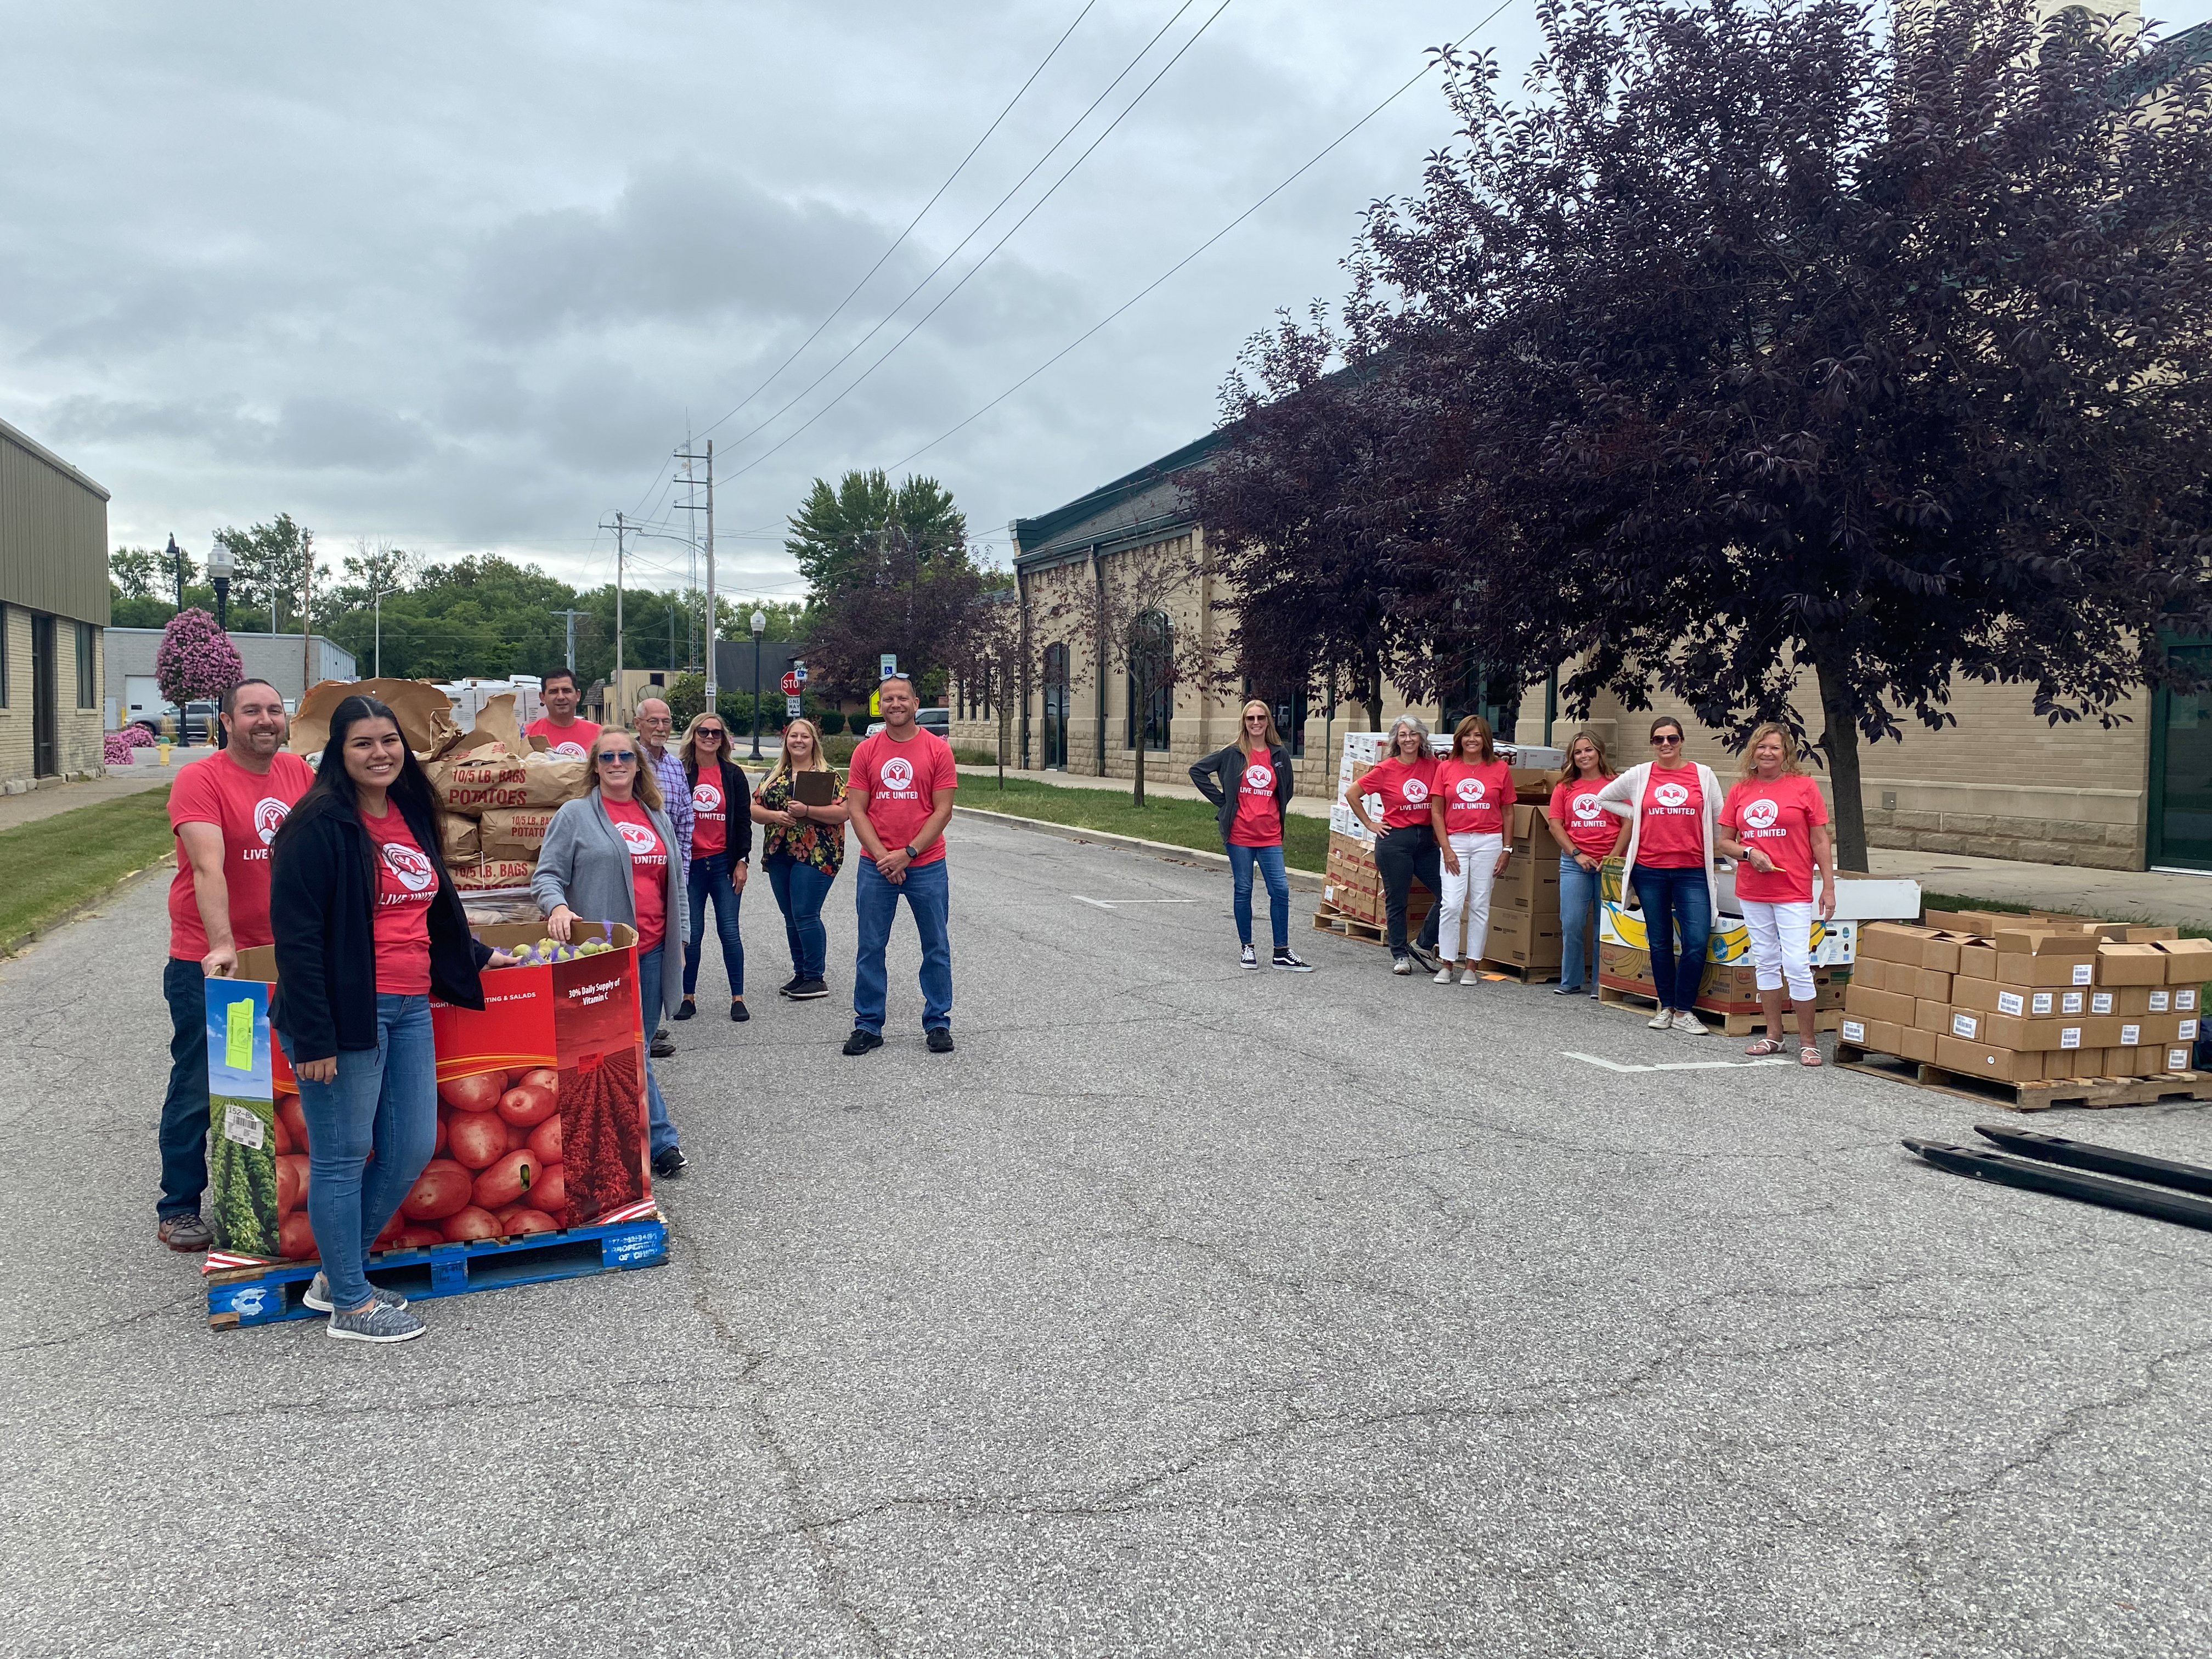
(2029, 1002)
(1354, 886)
(1524, 904)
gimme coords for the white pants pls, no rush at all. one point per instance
(1781, 946)
(1467, 894)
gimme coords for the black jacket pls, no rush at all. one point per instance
(322, 910)
(736, 805)
(1217, 775)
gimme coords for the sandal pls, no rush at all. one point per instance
(1765, 1046)
(1808, 1056)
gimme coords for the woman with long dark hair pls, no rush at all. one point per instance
(366, 927)
(721, 852)
(1249, 785)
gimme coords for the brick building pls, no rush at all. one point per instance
(53, 613)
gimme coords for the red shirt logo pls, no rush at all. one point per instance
(1259, 778)
(897, 774)
(269, 816)
(1670, 795)
(1761, 815)
(1587, 811)
(1416, 792)
(410, 864)
(706, 798)
(639, 839)
(1470, 791)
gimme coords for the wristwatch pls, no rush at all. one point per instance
(909, 853)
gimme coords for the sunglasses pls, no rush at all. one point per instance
(709, 732)
(619, 756)
(1667, 742)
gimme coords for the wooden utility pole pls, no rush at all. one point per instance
(306, 612)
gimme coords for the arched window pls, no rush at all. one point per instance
(1152, 702)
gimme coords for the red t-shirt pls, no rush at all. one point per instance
(1589, 827)
(902, 781)
(1777, 818)
(648, 869)
(1673, 837)
(249, 811)
(406, 887)
(710, 815)
(1475, 795)
(1259, 820)
(1404, 787)
(574, 740)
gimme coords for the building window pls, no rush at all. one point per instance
(1152, 646)
(88, 682)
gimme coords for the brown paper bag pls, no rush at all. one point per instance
(515, 832)
(471, 778)
(458, 838)
(487, 873)
(549, 780)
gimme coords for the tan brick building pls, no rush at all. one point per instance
(53, 613)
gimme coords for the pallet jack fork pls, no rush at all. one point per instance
(2033, 1176)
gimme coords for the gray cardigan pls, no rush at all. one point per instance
(585, 866)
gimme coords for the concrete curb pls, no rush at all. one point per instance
(1303, 881)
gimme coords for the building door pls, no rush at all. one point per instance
(2180, 805)
(1055, 709)
(46, 753)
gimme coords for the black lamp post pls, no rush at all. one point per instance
(176, 557)
(221, 562)
(760, 627)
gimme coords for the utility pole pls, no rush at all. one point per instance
(376, 603)
(621, 527)
(687, 458)
(306, 612)
(572, 616)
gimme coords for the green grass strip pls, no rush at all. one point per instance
(1933, 901)
(55, 864)
(1178, 823)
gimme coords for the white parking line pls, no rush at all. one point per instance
(1677, 1065)
(1109, 904)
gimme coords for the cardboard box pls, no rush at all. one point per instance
(2176, 1057)
(1936, 1017)
(1920, 982)
(1978, 1059)
(1895, 941)
(2043, 942)
(2042, 1036)
(1891, 1006)
(2017, 969)
(1915, 1044)
(1976, 961)
(2188, 961)
(2022, 1001)
(2130, 964)
(1874, 974)
(1877, 1034)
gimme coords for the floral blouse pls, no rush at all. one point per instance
(822, 845)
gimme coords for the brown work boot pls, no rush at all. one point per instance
(185, 1232)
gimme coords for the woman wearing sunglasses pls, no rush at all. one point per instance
(1249, 784)
(611, 856)
(721, 852)
(1673, 807)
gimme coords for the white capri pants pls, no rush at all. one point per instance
(1467, 894)
(1781, 945)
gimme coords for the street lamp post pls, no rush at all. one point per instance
(760, 627)
(222, 565)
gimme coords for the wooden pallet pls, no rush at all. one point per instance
(1524, 976)
(271, 1295)
(2169, 1088)
(1635, 1002)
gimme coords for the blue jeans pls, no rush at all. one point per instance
(709, 878)
(385, 1099)
(184, 1108)
(1578, 890)
(662, 1132)
(928, 890)
(800, 890)
(1270, 860)
(1678, 920)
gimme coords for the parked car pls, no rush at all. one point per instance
(939, 720)
(198, 724)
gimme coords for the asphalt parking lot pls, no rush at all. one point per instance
(1182, 1310)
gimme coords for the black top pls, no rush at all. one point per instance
(736, 805)
(1216, 776)
(322, 921)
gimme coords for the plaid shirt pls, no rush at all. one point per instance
(675, 792)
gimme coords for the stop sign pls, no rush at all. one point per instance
(790, 684)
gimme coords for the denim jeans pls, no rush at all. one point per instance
(800, 890)
(1401, 855)
(184, 1108)
(1678, 915)
(662, 1132)
(710, 879)
(1270, 860)
(1579, 891)
(928, 890)
(385, 1099)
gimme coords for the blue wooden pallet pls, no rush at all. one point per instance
(271, 1295)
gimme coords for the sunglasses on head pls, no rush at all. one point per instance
(619, 756)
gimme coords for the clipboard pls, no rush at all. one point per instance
(815, 788)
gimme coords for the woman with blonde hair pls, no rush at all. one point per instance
(1405, 843)
(1776, 823)
(1470, 813)
(611, 856)
(721, 852)
(1248, 783)
(1587, 834)
(802, 852)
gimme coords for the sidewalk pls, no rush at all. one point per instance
(38, 804)
(1172, 783)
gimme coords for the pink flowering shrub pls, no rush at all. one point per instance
(115, 751)
(197, 661)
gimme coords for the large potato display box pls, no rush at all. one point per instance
(541, 1110)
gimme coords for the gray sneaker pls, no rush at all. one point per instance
(380, 1322)
(318, 1295)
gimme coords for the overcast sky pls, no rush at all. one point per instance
(460, 276)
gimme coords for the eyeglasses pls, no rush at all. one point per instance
(619, 756)
(1664, 742)
(709, 732)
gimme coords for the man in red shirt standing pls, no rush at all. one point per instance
(225, 810)
(900, 792)
(570, 736)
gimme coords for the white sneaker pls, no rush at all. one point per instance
(1443, 974)
(1690, 1025)
(1401, 964)
(1664, 1018)
(1470, 977)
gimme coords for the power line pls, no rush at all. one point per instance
(890, 315)
(1317, 157)
(920, 323)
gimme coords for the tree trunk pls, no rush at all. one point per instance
(1004, 732)
(1374, 692)
(1137, 798)
(1841, 742)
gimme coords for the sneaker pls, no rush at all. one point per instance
(806, 990)
(663, 1044)
(1248, 957)
(670, 1163)
(1470, 977)
(318, 1295)
(739, 1011)
(1423, 956)
(940, 1040)
(1593, 993)
(1401, 964)
(1292, 964)
(1663, 1019)
(1690, 1025)
(790, 985)
(861, 1040)
(1444, 974)
(187, 1233)
(1565, 990)
(378, 1323)
(690, 1008)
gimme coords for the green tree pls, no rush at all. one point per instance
(840, 530)
(272, 561)
(140, 573)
